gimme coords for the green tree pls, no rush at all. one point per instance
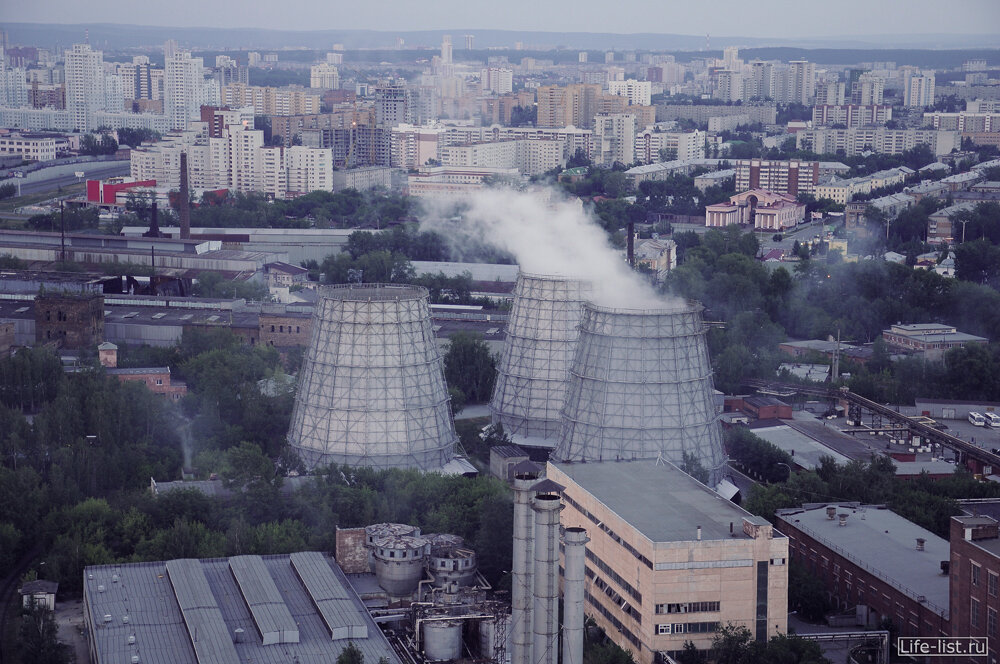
(470, 367)
(38, 638)
(351, 655)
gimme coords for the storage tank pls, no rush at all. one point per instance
(399, 563)
(449, 561)
(641, 388)
(377, 530)
(442, 640)
(540, 341)
(372, 390)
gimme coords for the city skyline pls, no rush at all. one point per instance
(770, 18)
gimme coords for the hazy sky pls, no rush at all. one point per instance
(765, 18)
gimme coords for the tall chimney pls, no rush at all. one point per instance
(185, 203)
(630, 243)
(522, 569)
(575, 541)
(545, 613)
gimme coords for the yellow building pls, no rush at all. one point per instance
(669, 559)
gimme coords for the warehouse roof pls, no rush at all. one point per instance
(225, 610)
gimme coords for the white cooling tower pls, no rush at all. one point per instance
(541, 339)
(372, 389)
(641, 388)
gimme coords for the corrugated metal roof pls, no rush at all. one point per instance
(330, 596)
(208, 632)
(274, 621)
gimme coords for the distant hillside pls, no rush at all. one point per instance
(827, 50)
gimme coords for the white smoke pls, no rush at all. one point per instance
(547, 234)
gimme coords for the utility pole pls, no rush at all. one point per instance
(836, 358)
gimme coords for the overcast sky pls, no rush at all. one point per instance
(763, 18)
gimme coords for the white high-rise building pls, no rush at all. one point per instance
(324, 76)
(918, 90)
(868, 90)
(114, 94)
(334, 58)
(84, 86)
(801, 82)
(308, 169)
(639, 93)
(614, 137)
(497, 80)
(729, 86)
(13, 87)
(759, 82)
(831, 93)
(446, 58)
(183, 88)
(731, 58)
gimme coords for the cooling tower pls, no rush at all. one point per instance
(641, 388)
(372, 390)
(541, 338)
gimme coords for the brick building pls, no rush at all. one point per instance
(875, 561)
(975, 579)
(76, 320)
(284, 329)
(6, 338)
(157, 379)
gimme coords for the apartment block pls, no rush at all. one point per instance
(854, 141)
(851, 115)
(678, 145)
(782, 177)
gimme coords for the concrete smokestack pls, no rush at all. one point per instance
(545, 614)
(185, 203)
(522, 571)
(575, 543)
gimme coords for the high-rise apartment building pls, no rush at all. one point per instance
(759, 81)
(868, 90)
(918, 90)
(324, 76)
(183, 84)
(728, 86)
(614, 135)
(390, 103)
(497, 80)
(561, 106)
(801, 85)
(639, 93)
(84, 86)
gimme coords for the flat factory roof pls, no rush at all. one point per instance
(659, 500)
(211, 612)
(884, 543)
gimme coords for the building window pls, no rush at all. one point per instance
(975, 574)
(159, 381)
(974, 612)
(991, 622)
(687, 607)
(994, 580)
(296, 329)
(272, 328)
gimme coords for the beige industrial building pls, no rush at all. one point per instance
(669, 559)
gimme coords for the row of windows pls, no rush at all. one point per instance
(614, 620)
(601, 565)
(687, 607)
(281, 328)
(630, 610)
(688, 628)
(612, 534)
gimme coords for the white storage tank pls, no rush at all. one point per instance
(442, 640)
(399, 563)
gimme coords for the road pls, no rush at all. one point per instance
(50, 179)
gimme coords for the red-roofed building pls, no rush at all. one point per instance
(106, 191)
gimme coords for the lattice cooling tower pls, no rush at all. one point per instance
(372, 389)
(641, 388)
(538, 350)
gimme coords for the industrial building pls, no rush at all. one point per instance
(875, 561)
(670, 560)
(538, 352)
(372, 389)
(640, 387)
(227, 611)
